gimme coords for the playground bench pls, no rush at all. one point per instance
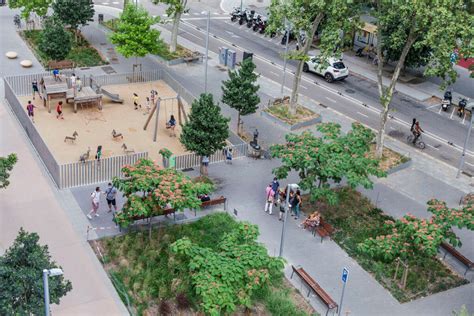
(164, 212)
(315, 287)
(456, 254)
(196, 56)
(212, 202)
(63, 64)
(324, 229)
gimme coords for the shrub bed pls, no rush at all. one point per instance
(155, 278)
(355, 219)
(81, 53)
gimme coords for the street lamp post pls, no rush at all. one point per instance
(241, 5)
(461, 163)
(46, 274)
(290, 187)
(207, 50)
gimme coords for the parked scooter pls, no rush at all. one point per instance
(251, 19)
(447, 100)
(257, 20)
(247, 15)
(236, 14)
(262, 26)
(462, 107)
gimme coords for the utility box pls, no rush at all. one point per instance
(223, 55)
(101, 18)
(247, 55)
(231, 59)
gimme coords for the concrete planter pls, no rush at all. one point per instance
(293, 127)
(399, 167)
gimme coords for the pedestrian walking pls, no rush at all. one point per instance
(282, 203)
(275, 186)
(228, 156)
(98, 154)
(269, 199)
(34, 85)
(95, 199)
(30, 108)
(59, 110)
(296, 203)
(110, 195)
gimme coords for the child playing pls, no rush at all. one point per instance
(30, 108)
(59, 110)
(34, 84)
(147, 106)
(56, 75)
(135, 101)
(171, 124)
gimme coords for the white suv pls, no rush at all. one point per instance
(336, 70)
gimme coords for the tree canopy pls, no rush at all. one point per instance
(56, 42)
(240, 91)
(6, 165)
(150, 189)
(40, 7)
(227, 277)
(21, 277)
(331, 157)
(175, 9)
(134, 35)
(74, 13)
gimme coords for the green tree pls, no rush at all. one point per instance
(74, 13)
(227, 277)
(410, 236)
(55, 42)
(206, 130)
(462, 312)
(240, 91)
(330, 158)
(149, 189)
(40, 7)
(21, 277)
(308, 17)
(134, 35)
(175, 9)
(439, 25)
(6, 165)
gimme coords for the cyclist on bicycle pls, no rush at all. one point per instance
(416, 130)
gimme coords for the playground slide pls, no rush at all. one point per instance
(113, 96)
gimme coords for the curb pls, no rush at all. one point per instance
(293, 127)
(399, 167)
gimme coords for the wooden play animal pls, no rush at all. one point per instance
(126, 150)
(85, 156)
(116, 135)
(71, 138)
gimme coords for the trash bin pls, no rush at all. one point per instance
(101, 18)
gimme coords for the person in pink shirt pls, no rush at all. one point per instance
(269, 199)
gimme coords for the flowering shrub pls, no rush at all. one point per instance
(150, 189)
(165, 152)
(411, 236)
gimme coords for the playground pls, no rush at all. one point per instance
(90, 127)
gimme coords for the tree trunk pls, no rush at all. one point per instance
(238, 124)
(203, 169)
(299, 69)
(174, 32)
(386, 94)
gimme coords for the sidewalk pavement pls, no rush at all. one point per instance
(405, 191)
(33, 202)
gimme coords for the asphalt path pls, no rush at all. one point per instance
(355, 97)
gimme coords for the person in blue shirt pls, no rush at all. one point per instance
(171, 125)
(56, 74)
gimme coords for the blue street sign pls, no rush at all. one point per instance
(345, 274)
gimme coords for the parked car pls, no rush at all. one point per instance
(334, 69)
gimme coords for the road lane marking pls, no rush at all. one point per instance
(274, 73)
(303, 86)
(332, 100)
(363, 114)
(432, 106)
(452, 113)
(189, 33)
(432, 146)
(467, 163)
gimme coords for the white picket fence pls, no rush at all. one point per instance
(192, 160)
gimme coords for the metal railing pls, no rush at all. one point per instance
(93, 171)
(192, 160)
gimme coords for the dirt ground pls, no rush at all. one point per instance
(95, 127)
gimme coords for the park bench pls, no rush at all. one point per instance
(196, 56)
(315, 287)
(324, 229)
(62, 64)
(456, 254)
(217, 201)
(164, 212)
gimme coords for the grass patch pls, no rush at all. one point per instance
(390, 158)
(81, 53)
(355, 219)
(282, 112)
(150, 273)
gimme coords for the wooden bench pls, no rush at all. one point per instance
(62, 64)
(315, 287)
(196, 56)
(212, 202)
(164, 212)
(324, 229)
(456, 254)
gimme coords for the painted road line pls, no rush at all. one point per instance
(363, 114)
(274, 73)
(468, 163)
(332, 100)
(303, 87)
(452, 113)
(189, 33)
(432, 146)
(432, 106)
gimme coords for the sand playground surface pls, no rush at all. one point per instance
(95, 127)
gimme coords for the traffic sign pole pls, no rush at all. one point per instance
(345, 276)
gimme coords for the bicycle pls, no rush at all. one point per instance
(419, 143)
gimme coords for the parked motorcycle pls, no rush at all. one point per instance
(256, 22)
(251, 19)
(246, 16)
(236, 14)
(262, 26)
(447, 100)
(462, 107)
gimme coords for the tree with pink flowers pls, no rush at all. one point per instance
(150, 189)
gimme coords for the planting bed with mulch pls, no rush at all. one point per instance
(355, 219)
(157, 281)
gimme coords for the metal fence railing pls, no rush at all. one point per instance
(129, 77)
(93, 171)
(192, 160)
